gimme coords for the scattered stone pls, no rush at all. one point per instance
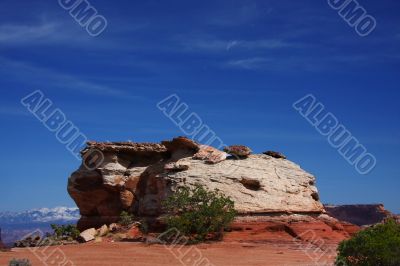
(113, 227)
(119, 236)
(134, 234)
(275, 154)
(88, 235)
(102, 231)
(210, 155)
(240, 151)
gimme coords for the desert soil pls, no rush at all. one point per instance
(141, 254)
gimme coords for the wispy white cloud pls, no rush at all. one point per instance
(248, 63)
(68, 33)
(296, 62)
(41, 33)
(217, 45)
(40, 76)
(17, 34)
(56, 32)
(231, 44)
(265, 44)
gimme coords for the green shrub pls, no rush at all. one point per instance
(375, 246)
(126, 218)
(198, 214)
(19, 262)
(65, 231)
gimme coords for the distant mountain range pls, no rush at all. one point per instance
(43, 215)
(15, 225)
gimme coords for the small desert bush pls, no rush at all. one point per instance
(65, 232)
(19, 262)
(126, 218)
(376, 246)
(198, 214)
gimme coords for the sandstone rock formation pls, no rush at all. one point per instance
(307, 231)
(258, 184)
(238, 150)
(362, 214)
(137, 177)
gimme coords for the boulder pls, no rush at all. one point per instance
(134, 234)
(275, 154)
(138, 176)
(181, 143)
(238, 151)
(210, 155)
(113, 227)
(102, 231)
(88, 235)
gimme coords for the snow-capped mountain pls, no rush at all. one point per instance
(15, 225)
(43, 215)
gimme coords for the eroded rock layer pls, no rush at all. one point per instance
(137, 177)
(360, 214)
(319, 231)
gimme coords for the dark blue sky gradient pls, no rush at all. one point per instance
(239, 65)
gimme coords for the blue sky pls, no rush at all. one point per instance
(239, 65)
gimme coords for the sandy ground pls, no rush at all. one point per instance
(199, 255)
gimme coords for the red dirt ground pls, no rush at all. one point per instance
(141, 254)
(256, 242)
